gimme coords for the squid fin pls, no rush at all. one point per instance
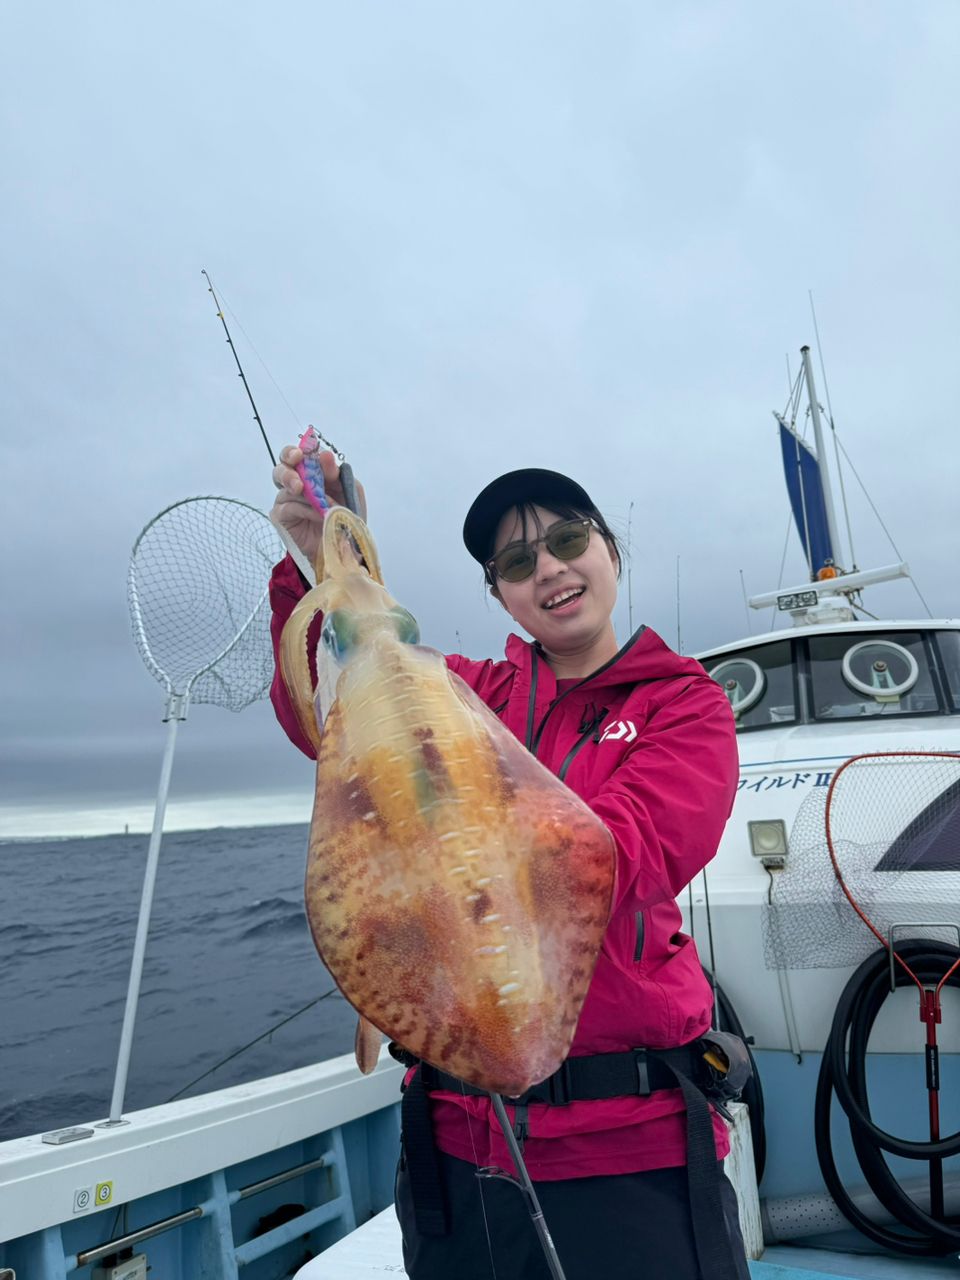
(366, 1045)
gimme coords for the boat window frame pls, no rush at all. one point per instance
(802, 664)
(798, 709)
(921, 633)
(939, 666)
(804, 677)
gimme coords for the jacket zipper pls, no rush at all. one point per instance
(532, 703)
(591, 731)
(533, 740)
(638, 945)
(569, 758)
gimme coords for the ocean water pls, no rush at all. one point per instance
(229, 956)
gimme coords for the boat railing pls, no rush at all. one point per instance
(212, 1175)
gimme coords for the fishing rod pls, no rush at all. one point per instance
(525, 1185)
(246, 385)
(346, 471)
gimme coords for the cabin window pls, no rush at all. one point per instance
(870, 674)
(949, 642)
(758, 683)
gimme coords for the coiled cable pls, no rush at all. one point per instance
(843, 1071)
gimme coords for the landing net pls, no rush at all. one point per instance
(893, 822)
(198, 600)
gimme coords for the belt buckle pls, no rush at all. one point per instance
(559, 1084)
(643, 1073)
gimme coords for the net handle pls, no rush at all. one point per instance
(177, 702)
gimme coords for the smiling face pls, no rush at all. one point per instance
(565, 604)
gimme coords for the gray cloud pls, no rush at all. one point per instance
(572, 235)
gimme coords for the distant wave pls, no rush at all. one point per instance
(229, 956)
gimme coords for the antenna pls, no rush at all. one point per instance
(746, 607)
(833, 432)
(679, 644)
(630, 570)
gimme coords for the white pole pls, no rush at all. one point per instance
(176, 711)
(835, 586)
(821, 456)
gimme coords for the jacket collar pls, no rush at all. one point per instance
(642, 658)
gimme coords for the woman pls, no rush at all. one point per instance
(646, 739)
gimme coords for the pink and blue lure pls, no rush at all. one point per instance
(310, 471)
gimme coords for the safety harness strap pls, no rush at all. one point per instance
(704, 1179)
(423, 1163)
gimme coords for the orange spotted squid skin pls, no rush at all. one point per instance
(456, 890)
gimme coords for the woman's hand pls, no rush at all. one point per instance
(293, 512)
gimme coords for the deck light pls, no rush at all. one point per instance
(768, 841)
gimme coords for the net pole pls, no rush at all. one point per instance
(176, 710)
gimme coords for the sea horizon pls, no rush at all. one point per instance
(70, 821)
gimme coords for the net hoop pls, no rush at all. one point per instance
(185, 561)
(886, 943)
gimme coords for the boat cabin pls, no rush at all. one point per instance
(847, 672)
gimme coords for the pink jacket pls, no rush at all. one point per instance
(648, 742)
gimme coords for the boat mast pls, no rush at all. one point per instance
(821, 455)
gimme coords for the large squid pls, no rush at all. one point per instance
(456, 890)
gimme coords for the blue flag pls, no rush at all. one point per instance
(805, 487)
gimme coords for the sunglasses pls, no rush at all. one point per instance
(517, 560)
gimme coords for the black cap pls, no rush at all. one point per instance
(530, 485)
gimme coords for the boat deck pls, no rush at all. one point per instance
(374, 1250)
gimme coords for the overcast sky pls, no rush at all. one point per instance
(462, 239)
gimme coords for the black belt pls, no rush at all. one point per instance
(588, 1079)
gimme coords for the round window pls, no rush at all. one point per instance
(742, 681)
(880, 668)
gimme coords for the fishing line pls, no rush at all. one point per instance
(713, 958)
(243, 1048)
(693, 928)
(330, 445)
(265, 366)
(243, 379)
(122, 1210)
(880, 518)
(479, 1179)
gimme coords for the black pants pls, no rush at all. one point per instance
(605, 1228)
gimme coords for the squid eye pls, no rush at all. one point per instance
(339, 633)
(405, 625)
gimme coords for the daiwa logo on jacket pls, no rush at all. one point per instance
(617, 729)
